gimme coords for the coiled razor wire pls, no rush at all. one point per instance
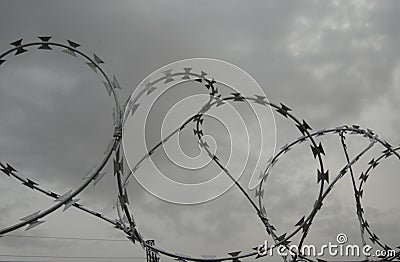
(126, 222)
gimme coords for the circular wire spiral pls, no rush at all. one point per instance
(126, 222)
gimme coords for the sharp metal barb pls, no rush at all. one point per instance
(97, 59)
(126, 221)
(17, 43)
(73, 44)
(69, 52)
(29, 217)
(116, 83)
(92, 66)
(34, 224)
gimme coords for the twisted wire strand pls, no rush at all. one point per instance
(126, 221)
(354, 129)
(67, 199)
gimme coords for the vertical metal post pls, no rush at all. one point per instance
(151, 255)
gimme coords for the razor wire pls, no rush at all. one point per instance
(126, 221)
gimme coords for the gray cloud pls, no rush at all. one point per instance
(332, 62)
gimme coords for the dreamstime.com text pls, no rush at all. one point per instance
(339, 249)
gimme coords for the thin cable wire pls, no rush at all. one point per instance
(70, 257)
(70, 238)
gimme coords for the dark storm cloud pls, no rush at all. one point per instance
(332, 62)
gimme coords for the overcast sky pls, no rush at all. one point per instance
(332, 62)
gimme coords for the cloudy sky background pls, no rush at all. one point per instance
(333, 62)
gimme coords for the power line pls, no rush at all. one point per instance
(69, 238)
(69, 257)
(27, 260)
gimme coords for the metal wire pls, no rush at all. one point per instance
(126, 222)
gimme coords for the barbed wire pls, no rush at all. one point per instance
(126, 222)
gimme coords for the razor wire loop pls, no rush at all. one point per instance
(66, 199)
(389, 151)
(305, 223)
(216, 100)
(126, 222)
(317, 150)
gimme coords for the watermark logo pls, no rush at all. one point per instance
(341, 238)
(338, 249)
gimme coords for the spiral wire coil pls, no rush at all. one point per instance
(126, 222)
